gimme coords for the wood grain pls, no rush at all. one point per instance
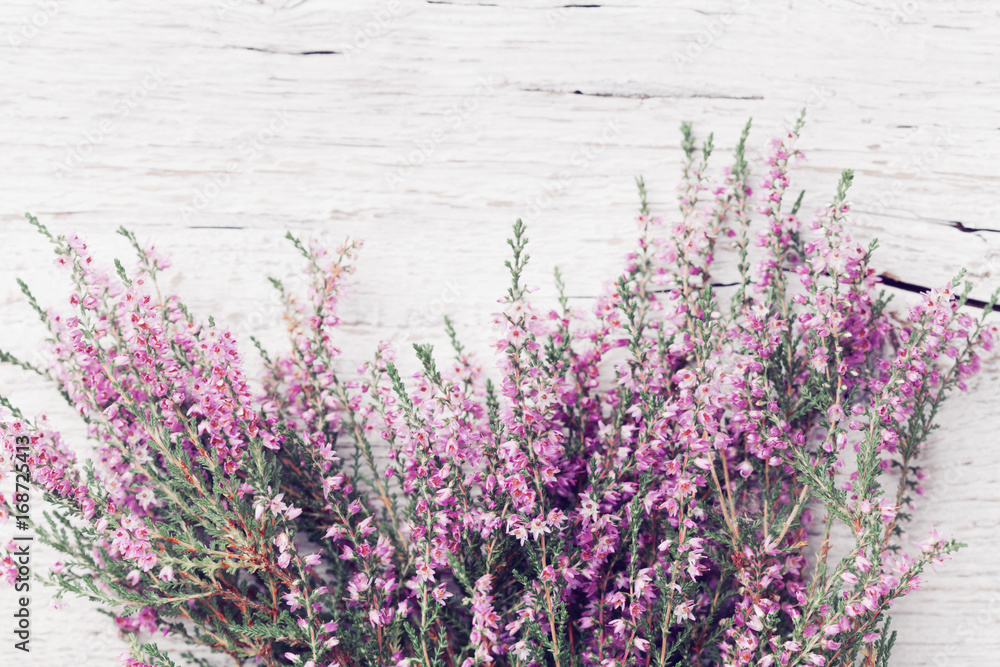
(426, 128)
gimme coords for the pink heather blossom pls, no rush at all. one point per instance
(128, 661)
(639, 470)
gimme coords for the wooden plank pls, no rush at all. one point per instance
(213, 127)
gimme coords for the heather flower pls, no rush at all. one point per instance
(629, 485)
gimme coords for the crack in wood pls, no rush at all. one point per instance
(970, 230)
(286, 53)
(954, 224)
(885, 278)
(891, 281)
(490, 4)
(646, 96)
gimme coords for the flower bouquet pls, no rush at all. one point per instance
(691, 473)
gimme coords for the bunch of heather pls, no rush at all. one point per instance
(660, 481)
(174, 527)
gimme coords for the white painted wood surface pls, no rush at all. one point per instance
(212, 127)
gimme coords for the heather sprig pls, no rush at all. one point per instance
(629, 486)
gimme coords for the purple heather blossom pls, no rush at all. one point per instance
(616, 477)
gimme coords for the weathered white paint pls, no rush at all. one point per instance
(212, 127)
